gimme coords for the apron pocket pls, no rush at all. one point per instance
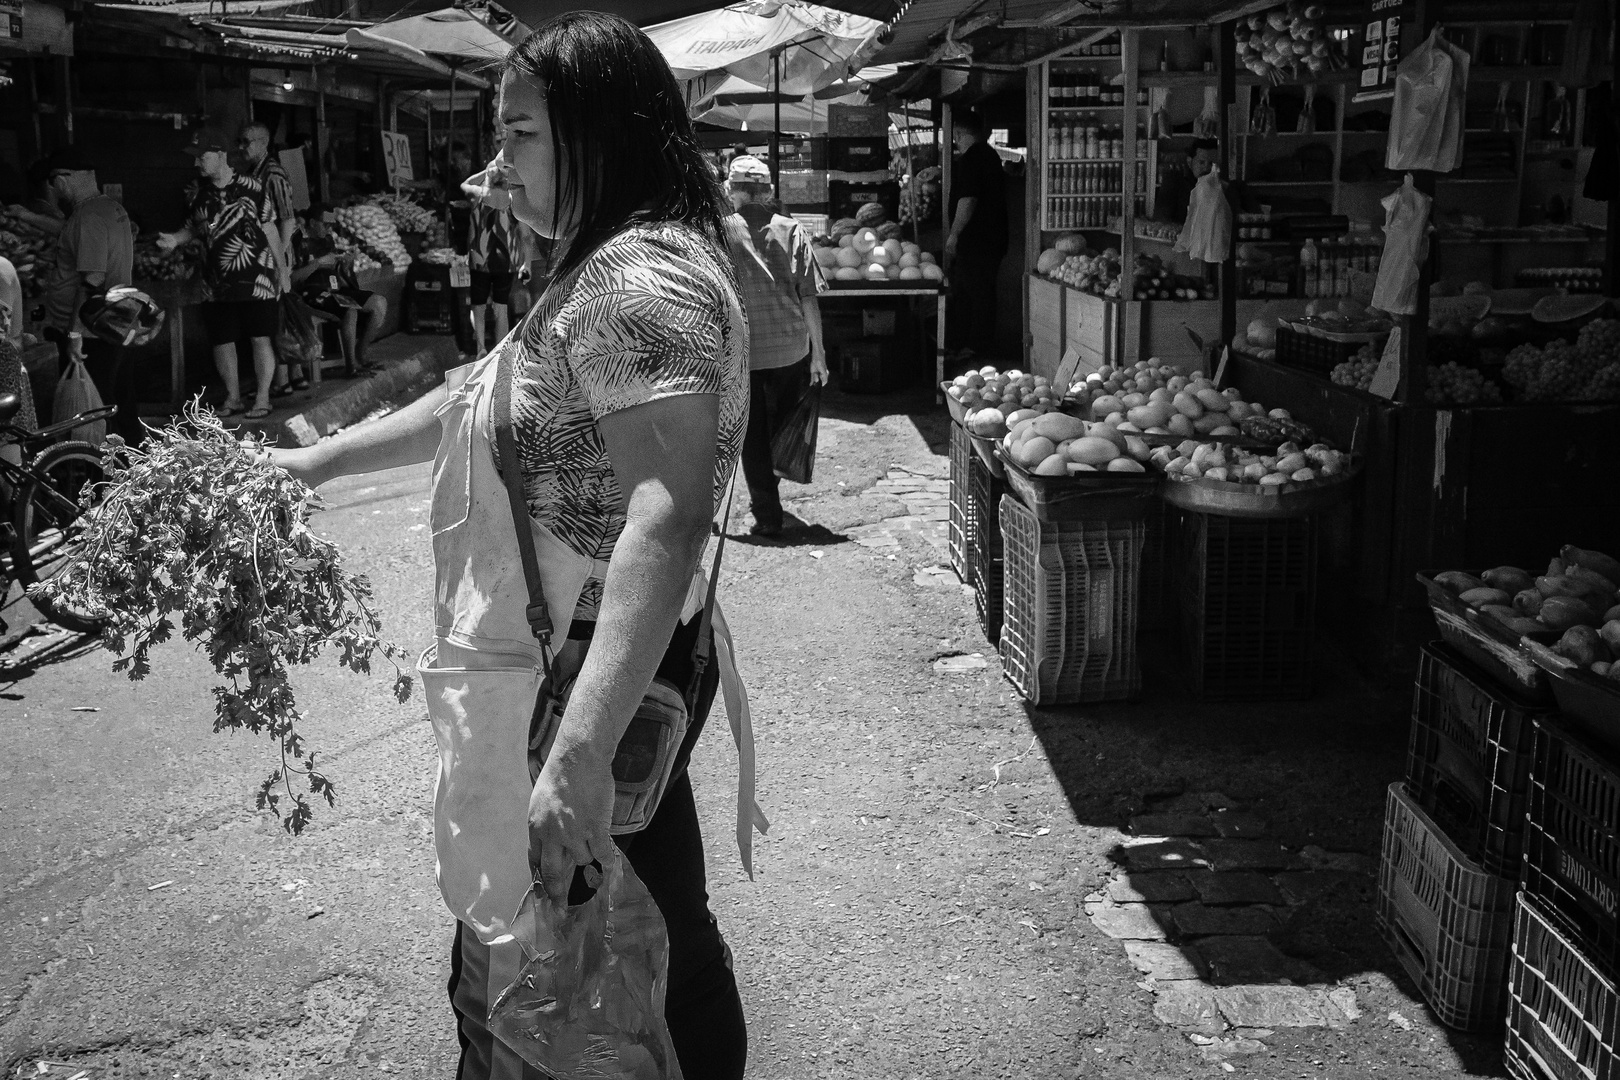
(452, 466)
(481, 801)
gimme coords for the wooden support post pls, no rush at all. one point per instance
(1130, 45)
(323, 182)
(1226, 77)
(1415, 327)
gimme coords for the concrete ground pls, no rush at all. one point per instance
(955, 884)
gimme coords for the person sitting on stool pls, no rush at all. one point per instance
(326, 282)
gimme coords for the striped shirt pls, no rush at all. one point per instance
(775, 271)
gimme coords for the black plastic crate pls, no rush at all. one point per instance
(1563, 1015)
(1248, 601)
(1157, 575)
(959, 521)
(1571, 848)
(1312, 353)
(986, 565)
(1468, 758)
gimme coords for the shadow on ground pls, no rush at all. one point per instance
(1254, 834)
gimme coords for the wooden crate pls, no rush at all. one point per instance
(1045, 325)
(1161, 330)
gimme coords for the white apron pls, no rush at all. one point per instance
(483, 672)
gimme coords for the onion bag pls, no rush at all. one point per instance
(76, 393)
(1406, 245)
(1426, 121)
(1207, 233)
(588, 1002)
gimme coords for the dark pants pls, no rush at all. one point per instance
(771, 396)
(702, 1006)
(971, 317)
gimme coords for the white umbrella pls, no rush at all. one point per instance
(735, 103)
(790, 46)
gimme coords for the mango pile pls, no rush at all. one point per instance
(1579, 595)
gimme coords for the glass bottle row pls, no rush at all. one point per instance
(1073, 140)
(1094, 179)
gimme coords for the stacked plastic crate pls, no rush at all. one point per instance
(1564, 978)
(1453, 838)
(1072, 558)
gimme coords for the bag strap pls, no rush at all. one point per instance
(512, 473)
(537, 613)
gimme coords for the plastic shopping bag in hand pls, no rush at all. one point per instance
(1426, 121)
(588, 1003)
(1406, 245)
(1207, 234)
(75, 394)
(793, 449)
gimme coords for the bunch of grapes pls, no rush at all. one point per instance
(1599, 340)
(1605, 385)
(1453, 384)
(1357, 371)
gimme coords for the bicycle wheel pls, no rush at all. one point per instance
(44, 518)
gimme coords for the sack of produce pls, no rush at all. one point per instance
(793, 449)
(298, 341)
(77, 393)
(588, 1003)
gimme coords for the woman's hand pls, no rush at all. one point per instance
(818, 369)
(489, 187)
(570, 813)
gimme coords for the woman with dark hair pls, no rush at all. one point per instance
(627, 391)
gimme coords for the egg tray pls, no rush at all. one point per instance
(1489, 644)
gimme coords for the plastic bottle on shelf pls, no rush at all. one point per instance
(1307, 269)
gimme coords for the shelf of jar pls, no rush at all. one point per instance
(1086, 161)
(1088, 108)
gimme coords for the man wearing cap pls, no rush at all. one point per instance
(95, 251)
(242, 266)
(779, 280)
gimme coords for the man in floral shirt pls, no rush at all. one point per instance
(232, 219)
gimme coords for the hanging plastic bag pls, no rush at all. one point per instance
(793, 448)
(1159, 112)
(1406, 245)
(1426, 121)
(1207, 233)
(76, 393)
(298, 340)
(588, 1003)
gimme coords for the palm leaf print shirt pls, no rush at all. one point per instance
(229, 222)
(652, 313)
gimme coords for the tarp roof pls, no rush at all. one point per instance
(651, 12)
(450, 33)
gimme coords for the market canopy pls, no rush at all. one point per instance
(648, 13)
(451, 34)
(788, 46)
(736, 103)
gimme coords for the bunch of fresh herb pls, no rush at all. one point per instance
(198, 527)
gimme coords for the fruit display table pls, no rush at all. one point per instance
(857, 294)
(174, 297)
(1467, 486)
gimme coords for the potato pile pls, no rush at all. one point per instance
(1579, 595)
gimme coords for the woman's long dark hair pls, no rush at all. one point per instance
(626, 152)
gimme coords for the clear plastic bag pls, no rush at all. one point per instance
(1426, 121)
(1207, 234)
(588, 1003)
(1406, 245)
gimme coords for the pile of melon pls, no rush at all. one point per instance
(867, 247)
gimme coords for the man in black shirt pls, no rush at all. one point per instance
(978, 238)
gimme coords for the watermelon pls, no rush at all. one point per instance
(1562, 309)
(871, 214)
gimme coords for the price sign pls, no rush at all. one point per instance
(11, 19)
(460, 273)
(397, 158)
(1379, 42)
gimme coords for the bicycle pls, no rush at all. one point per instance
(39, 505)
